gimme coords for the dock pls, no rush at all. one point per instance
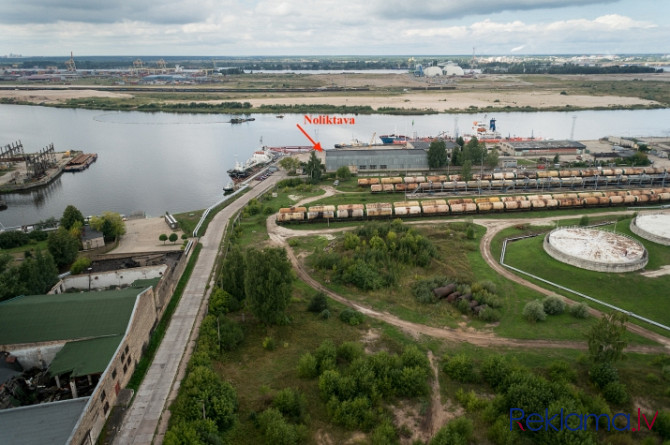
(81, 162)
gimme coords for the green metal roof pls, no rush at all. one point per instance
(144, 283)
(85, 357)
(39, 318)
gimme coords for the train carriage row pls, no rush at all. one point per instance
(480, 205)
(539, 174)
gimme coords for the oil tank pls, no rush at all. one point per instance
(400, 187)
(321, 212)
(350, 211)
(387, 187)
(375, 188)
(538, 204)
(374, 181)
(403, 208)
(379, 209)
(484, 207)
(363, 182)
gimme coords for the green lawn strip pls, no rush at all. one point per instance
(648, 297)
(159, 332)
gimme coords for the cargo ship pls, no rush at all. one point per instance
(259, 159)
(394, 139)
(290, 149)
(488, 133)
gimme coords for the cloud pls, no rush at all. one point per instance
(107, 11)
(517, 48)
(453, 9)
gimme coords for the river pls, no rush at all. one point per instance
(157, 162)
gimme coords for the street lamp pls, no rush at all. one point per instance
(89, 278)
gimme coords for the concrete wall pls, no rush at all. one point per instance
(35, 355)
(648, 236)
(148, 310)
(104, 280)
(119, 371)
(592, 265)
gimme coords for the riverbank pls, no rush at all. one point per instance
(13, 182)
(362, 94)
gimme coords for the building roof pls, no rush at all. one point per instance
(69, 316)
(545, 145)
(85, 357)
(50, 423)
(90, 234)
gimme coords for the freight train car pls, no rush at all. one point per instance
(481, 205)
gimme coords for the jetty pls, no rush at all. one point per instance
(80, 162)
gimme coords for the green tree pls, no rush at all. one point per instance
(343, 172)
(267, 283)
(232, 274)
(37, 274)
(437, 154)
(173, 237)
(163, 237)
(204, 393)
(80, 265)
(289, 163)
(492, 159)
(466, 171)
(71, 215)
(460, 141)
(314, 168)
(606, 338)
(110, 224)
(63, 246)
(557, 159)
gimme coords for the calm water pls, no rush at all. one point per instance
(157, 162)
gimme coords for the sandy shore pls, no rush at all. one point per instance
(386, 90)
(461, 100)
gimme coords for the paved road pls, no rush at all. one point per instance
(142, 418)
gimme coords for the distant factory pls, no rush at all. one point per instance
(543, 148)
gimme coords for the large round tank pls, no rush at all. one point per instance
(594, 249)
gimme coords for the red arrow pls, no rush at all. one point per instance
(317, 145)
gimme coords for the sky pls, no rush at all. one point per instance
(333, 27)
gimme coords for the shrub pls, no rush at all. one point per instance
(615, 392)
(318, 303)
(80, 265)
(275, 428)
(489, 315)
(458, 431)
(579, 310)
(38, 235)
(13, 238)
(533, 311)
(584, 221)
(231, 334)
(326, 354)
(351, 317)
(384, 433)
(663, 425)
(269, 343)
(460, 368)
(603, 373)
(292, 404)
(325, 314)
(495, 370)
(343, 172)
(553, 305)
(308, 367)
(349, 351)
(562, 372)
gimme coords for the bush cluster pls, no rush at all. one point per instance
(372, 258)
(354, 385)
(479, 298)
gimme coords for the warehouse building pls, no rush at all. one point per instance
(543, 148)
(396, 159)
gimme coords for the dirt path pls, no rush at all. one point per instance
(278, 236)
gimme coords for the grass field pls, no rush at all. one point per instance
(630, 291)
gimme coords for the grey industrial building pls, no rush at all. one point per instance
(543, 148)
(382, 159)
